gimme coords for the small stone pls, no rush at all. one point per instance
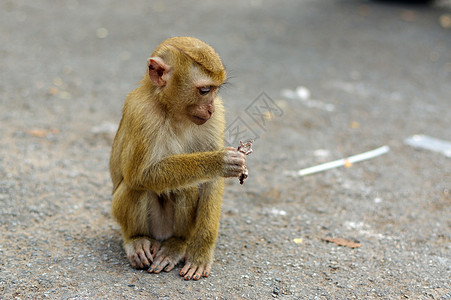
(102, 33)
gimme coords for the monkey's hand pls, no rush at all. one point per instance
(234, 163)
(171, 252)
(141, 251)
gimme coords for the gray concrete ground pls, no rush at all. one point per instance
(367, 74)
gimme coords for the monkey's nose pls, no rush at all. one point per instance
(211, 110)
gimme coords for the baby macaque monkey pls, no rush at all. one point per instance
(168, 160)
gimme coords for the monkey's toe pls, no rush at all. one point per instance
(191, 271)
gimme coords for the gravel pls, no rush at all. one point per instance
(371, 74)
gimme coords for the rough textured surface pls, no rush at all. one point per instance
(373, 73)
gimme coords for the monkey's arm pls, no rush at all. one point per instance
(183, 170)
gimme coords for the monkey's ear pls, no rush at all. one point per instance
(158, 71)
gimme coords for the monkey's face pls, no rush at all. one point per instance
(189, 87)
(201, 111)
(200, 99)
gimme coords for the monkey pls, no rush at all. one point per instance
(168, 160)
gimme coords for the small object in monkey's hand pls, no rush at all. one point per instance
(246, 149)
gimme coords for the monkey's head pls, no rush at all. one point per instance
(187, 74)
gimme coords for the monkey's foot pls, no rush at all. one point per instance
(170, 254)
(141, 251)
(195, 271)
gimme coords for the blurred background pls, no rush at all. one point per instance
(312, 81)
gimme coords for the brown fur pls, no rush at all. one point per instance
(167, 171)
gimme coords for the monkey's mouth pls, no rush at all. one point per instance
(199, 120)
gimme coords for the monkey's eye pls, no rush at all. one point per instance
(204, 90)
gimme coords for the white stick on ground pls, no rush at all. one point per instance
(429, 143)
(343, 162)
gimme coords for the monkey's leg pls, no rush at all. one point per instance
(173, 249)
(200, 247)
(131, 210)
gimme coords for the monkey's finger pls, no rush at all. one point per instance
(235, 168)
(161, 266)
(190, 273)
(233, 171)
(199, 272)
(238, 163)
(147, 254)
(239, 160)
(207, 270)
(169, 267)
(236, 154)
(144, 253)
(154, 248)
(155, 264)
(136, 261)
(132, 261)
(142, 256)
(185, 269)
